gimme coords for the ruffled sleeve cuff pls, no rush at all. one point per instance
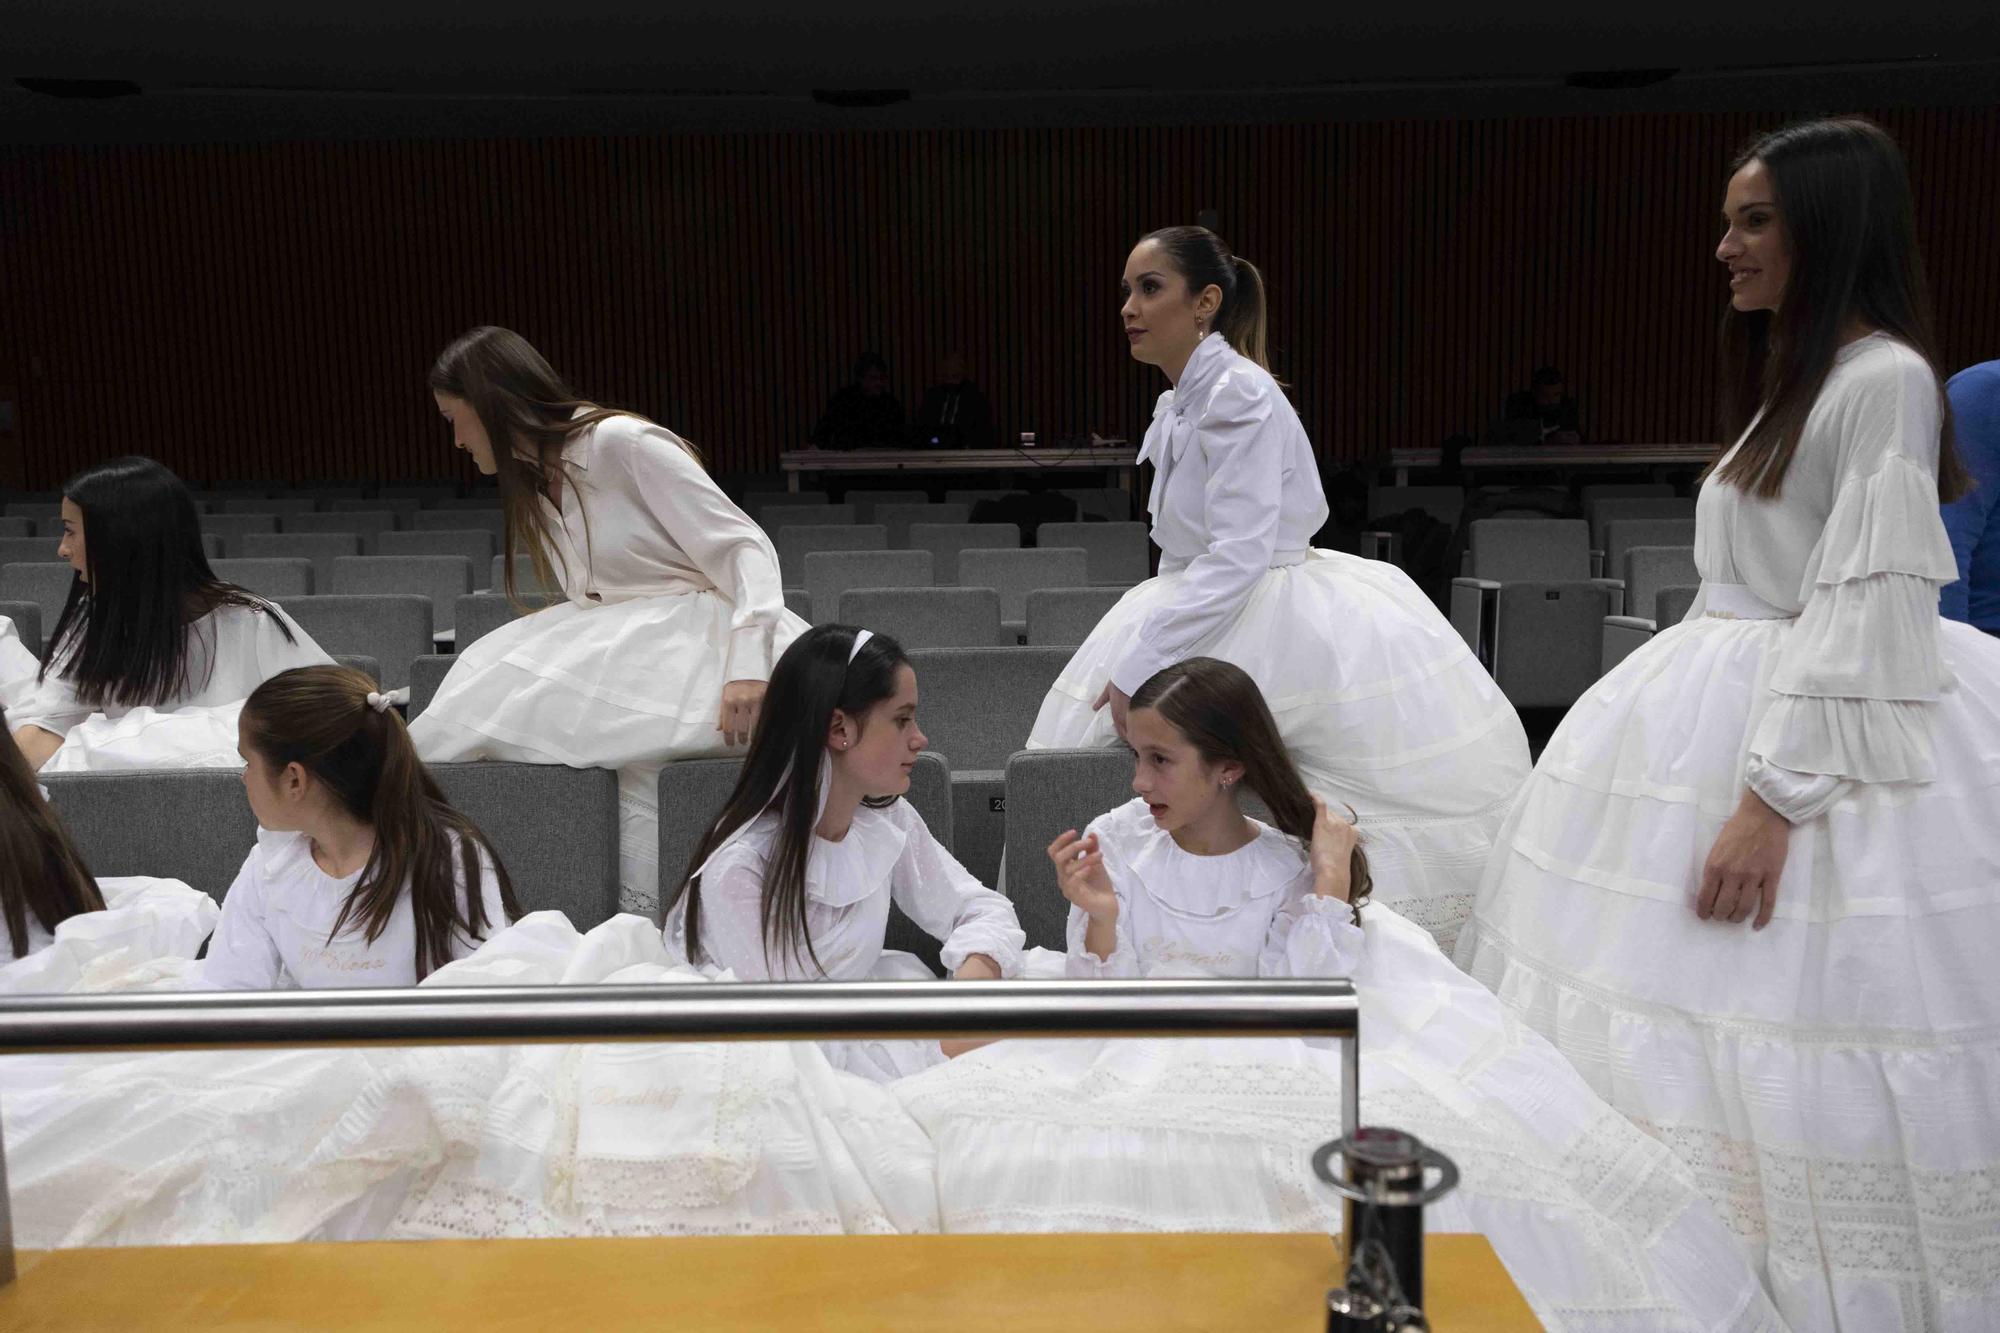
(1314, 936)
(1002, 941)
(1082, 963)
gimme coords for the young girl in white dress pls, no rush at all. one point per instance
(1752, 890)
(1600, 1227)
(152, 651)
(1379, 701)
(673, 613)
(363, 875)
(795, 878)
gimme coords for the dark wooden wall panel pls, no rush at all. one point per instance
(271, 310)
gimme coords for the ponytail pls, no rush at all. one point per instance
(1222, 713)
(40, 870)
(1241, 318)
(1201, 257)
(330, 721)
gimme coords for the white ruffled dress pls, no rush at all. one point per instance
(1600, 1227)
(672, 592)
(145, 922)
(1834, 1079)
(1378, 699)
(18, 669)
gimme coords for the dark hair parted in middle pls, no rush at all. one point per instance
(1222, 713)
(125, 633)
(319, 717)
(782, 770)
(1200, 256)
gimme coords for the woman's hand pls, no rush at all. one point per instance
(1331, 852)
(741, 699)
(1121, 703)
(1081, 876)
(1745, 864)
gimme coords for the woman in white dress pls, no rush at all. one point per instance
(20, 670)
(1600, 1227)
(673, 613)
(1752, 890)
(363, 874)
(1381, 704)
(152, 651)
(794, 879)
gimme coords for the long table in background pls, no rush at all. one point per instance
(1556, 457)
(1122, 461)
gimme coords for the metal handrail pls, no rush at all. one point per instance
(788, 1011)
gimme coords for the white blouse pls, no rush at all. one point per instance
(641, 518)
(1248, 913)
(18, 668)
(1235, 491)
(145, 919)
(1855, 548)
(887, 856)
(234, 649)
(279, 912)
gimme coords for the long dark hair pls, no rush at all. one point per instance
(41, 871)
(521, 400)
(811, 680)
(1221, 712)
(1843, 197)
(124, 635)
(1200, 256)
(319, 717)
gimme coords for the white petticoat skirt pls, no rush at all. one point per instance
(1600, 1227)
(1380, 702)
(626, 685)
(1834, 1079)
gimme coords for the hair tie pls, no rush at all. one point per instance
(379, 702)
(861, 636)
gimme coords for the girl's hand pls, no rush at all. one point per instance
(1745, 864)
(1121, 703)
(977, 967)
(741, 700)
(1081, 876)
(1331, 853)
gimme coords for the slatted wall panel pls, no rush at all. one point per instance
(271, 310)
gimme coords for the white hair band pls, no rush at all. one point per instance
(861, 636)
(381, 703)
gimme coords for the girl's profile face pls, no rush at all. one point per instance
(261, 788)
(71, 547)
(1169, 774)
(1754, 244)
(467, 431)
(883, 744)
(1160, 314)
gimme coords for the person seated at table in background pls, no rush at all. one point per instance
(862, 414)
(1973, 520)
(954, 413)
(1543, 413)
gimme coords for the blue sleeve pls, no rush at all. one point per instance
(1975, 410)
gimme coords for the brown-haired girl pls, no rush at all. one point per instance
(673, 614)
(363, 875)
(43, 881)
(1378, 700)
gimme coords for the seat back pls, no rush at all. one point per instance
(926, 617)
(27, 618)
(1671, 605)
(1609, 509)
(945, 540)
(1648, 569)
(899, 518)
(17, 527)
(322, 548)
(367, 523)
(1066, 616)
(426, 674)
(979, 704)
(265, 503)
(1621, 535)
(442, 578)
(863, 502)
(831, 573)
(773, 518)
(1118, 553)
(1015, 574)
(798, 540)
(524, 577)
(492, 522)
(392, 628)
(475, 544)
(29, 551)
(232, 527)
(1048, 792)
(1549, 641)
(276, 579)
(480, 613)
(46, 584)
(1531, 550)
(1109, 503)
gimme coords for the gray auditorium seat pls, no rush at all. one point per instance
(753, 500)
(1672, 604)
(1111, 504)
(1507, 550)
(480, 613)
(976, 495)
(946, 540)
(361, 662)
(1649, 570)
(17, 527)
(28, 550)
(269, 504)
(1066, 616)
(1532, 614)
(322, 548)
(442, 578)
(978, 705)
(475, 544)
(484, 501)
(1446, 504)
(369, 523)
(1048, 792)
(232, 527)
(1621, 535)
(524, 576)
(800, 603)
(46, 584)
(27, 618)
(798, 540)
(277, 579)
(899, 518)
(1599, 512)
(1120, 554)
(424, 492)
(1015, 574)
(772, 518)
(426, 674)
(926, 617)
(492, 522)
(863, 502)
(556, 828)
(32, 510)
(831, 573)
(393, 628)
(402, 506)
(211, 545)
(1624, 490)
(693, 792)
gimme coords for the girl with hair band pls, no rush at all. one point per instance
(1378, 700)
(363, 874)
(56, 918)
(1600, 1227)
(673, 608)
(150, 643)
(794, 880)
(1752, 890)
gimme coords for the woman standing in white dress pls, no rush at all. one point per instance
(1600, 1227)
(1379, 701)
(152, 651)
(674, 608)
(1752, 890)
(794, 879)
